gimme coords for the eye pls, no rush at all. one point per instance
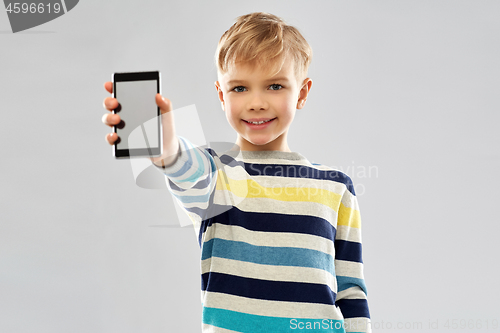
(239, 89)
(275, 86)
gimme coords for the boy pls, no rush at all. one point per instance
(280, 237)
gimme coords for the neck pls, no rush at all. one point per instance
(276, 145)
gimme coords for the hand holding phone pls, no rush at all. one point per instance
(170, 141)
(140, 126)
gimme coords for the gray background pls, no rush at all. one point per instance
(404, 99)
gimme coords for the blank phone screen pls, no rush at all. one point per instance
(139, 112)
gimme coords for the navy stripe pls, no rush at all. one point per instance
(352, 308)
(275, 222)
(349, 251)
(231, 162)
(292, 171)
(211, 211)
(201, 184)
(268, 290)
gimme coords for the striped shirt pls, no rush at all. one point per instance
(280, 241)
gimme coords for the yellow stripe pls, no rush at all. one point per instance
(248, 188)
(349, 217)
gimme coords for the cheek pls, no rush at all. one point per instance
(287, 107)
(232, 113)
(235, 105)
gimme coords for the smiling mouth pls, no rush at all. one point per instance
(258, 122)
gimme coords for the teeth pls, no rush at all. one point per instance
(259, 122)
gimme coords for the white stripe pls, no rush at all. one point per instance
(266, 205)
(351, 293)
(273, 239)
(323, 167)
(269, 272)
(348, 234)
(349, 268)
(359, 324)
(350, 201)
(212, 329)
(271, 308)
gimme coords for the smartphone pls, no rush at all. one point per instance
(140, 130)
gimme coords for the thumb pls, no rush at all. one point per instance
(163, 103)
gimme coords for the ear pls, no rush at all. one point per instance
(304, 92)
(220, 94)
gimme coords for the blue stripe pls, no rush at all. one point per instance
(276, 222)
(202, 183)
(352, 308)
(349, 251)
(188, 165)
(284, 291)
(244, 322)
(199, 172)
(267, 255)
(346, 282)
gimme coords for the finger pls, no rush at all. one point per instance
(111, 138)
(110, 103)
(163, 103)
(111, 119)
(109, 86)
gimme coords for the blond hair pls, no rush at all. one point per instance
(265, 40)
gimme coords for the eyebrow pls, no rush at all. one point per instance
(233, 82)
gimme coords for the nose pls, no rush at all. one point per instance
(256, 101)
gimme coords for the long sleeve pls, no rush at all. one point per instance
(191, 179)
(351, 288)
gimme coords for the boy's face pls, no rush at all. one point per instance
(250, 94)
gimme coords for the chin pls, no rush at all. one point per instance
(259, 142)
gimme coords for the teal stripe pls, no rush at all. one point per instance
(345, 282)
(200, 172)
(211, 159)
(186, 166)
(267, 255)
(244, 322)
(197, 198)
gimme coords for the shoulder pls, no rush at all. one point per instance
(332, 174)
